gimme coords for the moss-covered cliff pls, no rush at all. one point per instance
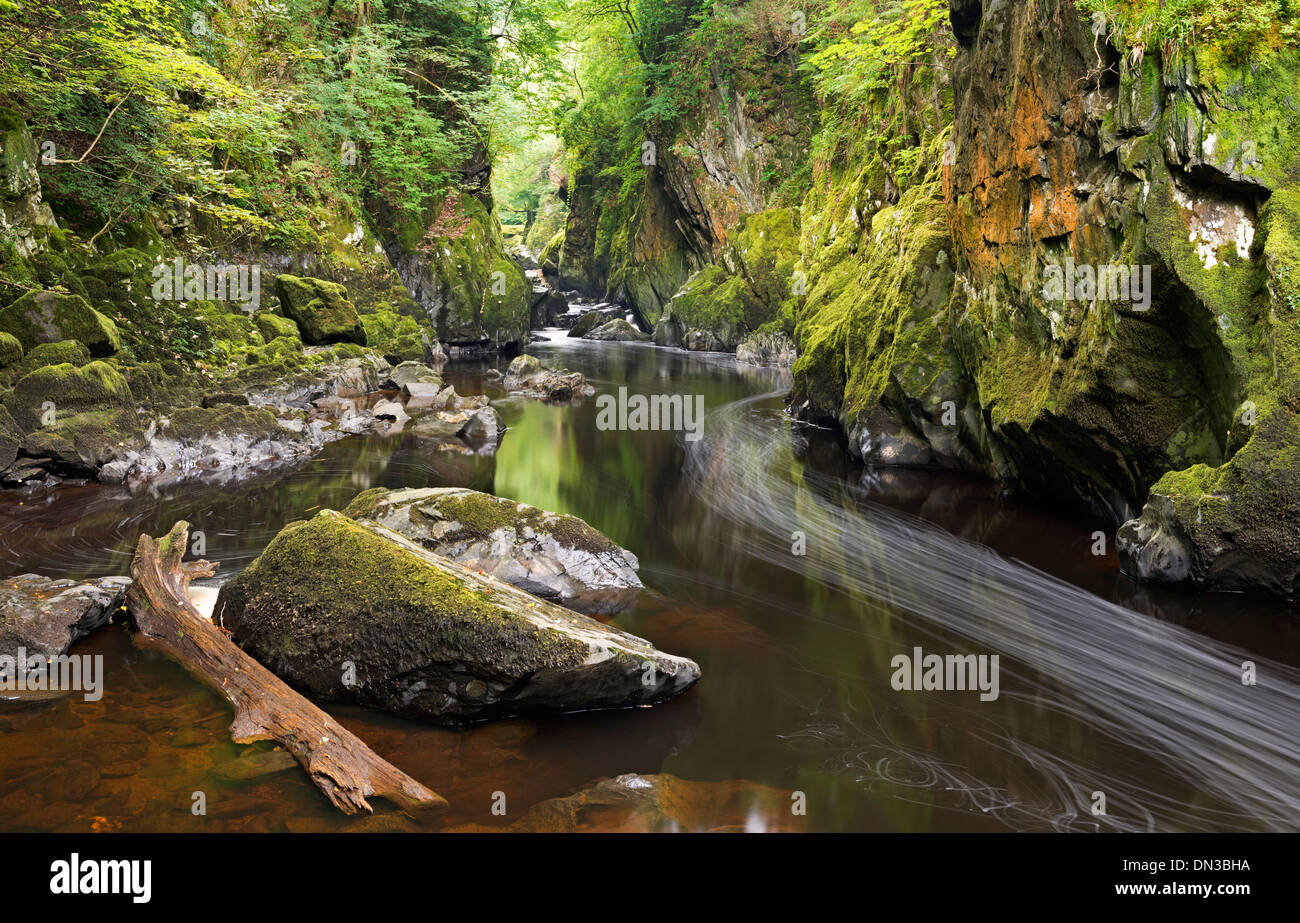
(1052, 243)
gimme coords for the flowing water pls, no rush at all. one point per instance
(1105, 686)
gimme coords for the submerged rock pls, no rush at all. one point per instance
(528, 376)
(617, 329)
(635, 803)
(551, 555)
(46, 617)
(1153, 547)
(351, 611)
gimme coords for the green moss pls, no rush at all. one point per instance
(321, 310)
(69, 389)
(193, 424)
(272, 326)
(48, 317)
(395, 336)
(313, 572)
(11, 351)
(69, 351)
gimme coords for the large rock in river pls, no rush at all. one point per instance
(618, 329)
(527, 375)
(551, 555)
(351, 611)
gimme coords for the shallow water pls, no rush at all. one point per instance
(1105, 686)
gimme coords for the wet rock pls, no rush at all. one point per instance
(1153, 547)
(767, 349)
(408, 373)
(484, 428)
(440, 424)
(47, 616)
(425, 636)
(390, 412)
(587, 323)
(551, 555)
(548, 305)
(426, 394)
(192, 441)
(528, 376)
(703, 341)
(616, 330)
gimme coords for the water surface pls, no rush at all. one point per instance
(1105, 686)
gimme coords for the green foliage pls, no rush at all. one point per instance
(1241, 31)
(870, 56)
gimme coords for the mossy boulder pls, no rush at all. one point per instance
(396, 337)
(272, 326)
(321, 310)
(350, 611)
(68, 390)
(48, 317)
(80, 418)
(551, 555)
(11, 350)
(69, 351)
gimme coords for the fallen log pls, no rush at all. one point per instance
(338, 762)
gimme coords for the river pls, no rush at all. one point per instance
(791, 574)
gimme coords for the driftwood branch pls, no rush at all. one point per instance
(338, 762)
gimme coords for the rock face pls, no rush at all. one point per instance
(46, 617)
(617, 329)
(752, 287)
(351, 611)
(554, 556)
(453, 262)
(527, 375)
(23, 216)
(933, 334)
(321, 309)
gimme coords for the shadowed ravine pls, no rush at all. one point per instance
(1154, 687)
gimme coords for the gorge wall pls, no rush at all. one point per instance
(919, 289)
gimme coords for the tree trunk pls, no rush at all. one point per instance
(338, 762)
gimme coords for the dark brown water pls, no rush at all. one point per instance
(1105, 686)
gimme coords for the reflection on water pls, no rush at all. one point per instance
(1105, 686)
